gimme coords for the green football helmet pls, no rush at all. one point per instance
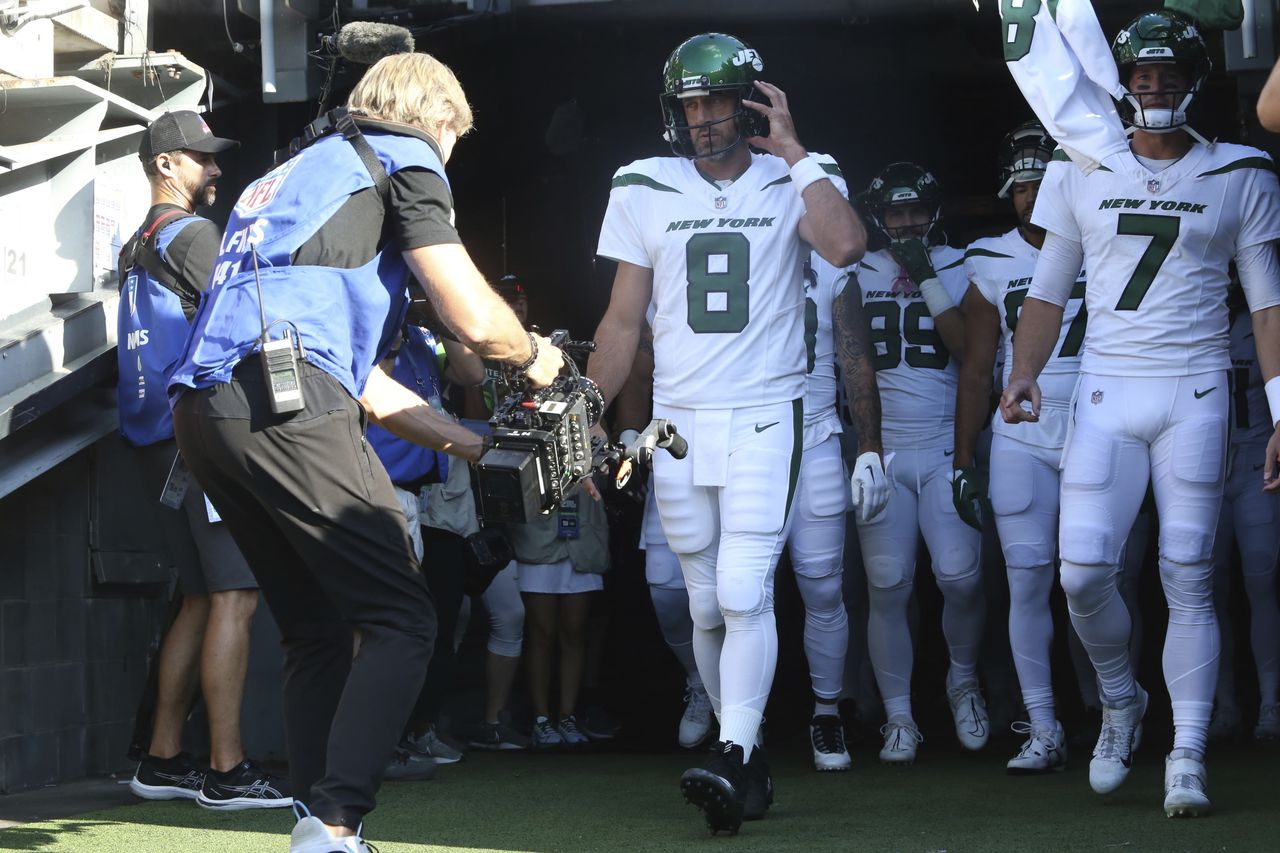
(702, 65)
(1025, 153)
(901, 184)
(1165, 37)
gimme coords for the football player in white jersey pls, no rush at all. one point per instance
(1251, 522)
(1156, 227)
(716, 239)
(910, 294)
(1024, 461)
(816, 541)
(632, 408)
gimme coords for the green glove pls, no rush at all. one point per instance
(1214, 14)
(969, 494)
(913, 256)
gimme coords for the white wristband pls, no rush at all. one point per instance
(936, 297)
(805, 172)
(1273, 398)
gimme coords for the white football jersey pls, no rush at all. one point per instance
(728, 300)
(1157, 246)
(823, 283)
(914, 369)
(1062, 62)
(1001, 268)
(1250, 414)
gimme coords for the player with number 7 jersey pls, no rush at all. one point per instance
(1157, 226)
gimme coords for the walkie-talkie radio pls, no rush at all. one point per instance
(279, 358)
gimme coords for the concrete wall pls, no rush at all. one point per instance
(74, 652)
(72, 664)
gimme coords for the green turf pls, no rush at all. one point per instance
(949, 802)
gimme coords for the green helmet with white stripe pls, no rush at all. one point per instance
(707, 64)
(1160, 37)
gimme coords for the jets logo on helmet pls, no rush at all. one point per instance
(708, 64)
(1025, 153)
(902, 184)
(747, 56)
(1168, 38)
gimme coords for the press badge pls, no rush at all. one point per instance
(569, 519)
(175, 487)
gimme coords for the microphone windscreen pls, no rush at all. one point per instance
(365, 42)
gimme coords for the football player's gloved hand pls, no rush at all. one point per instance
(969, 494)
(872, 484)
(913, 256)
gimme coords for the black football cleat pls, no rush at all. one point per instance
(759, 793)
(718, 788)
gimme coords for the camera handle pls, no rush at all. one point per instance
(619, 462)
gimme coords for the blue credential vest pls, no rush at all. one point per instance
(151, 333)
(348, 318)
(416, 369)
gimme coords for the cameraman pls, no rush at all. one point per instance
(333, 237)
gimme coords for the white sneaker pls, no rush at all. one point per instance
(826, 734)
(310, 836)
(545, 735)
(695, 725)
(1044, 751)
(900, 741)
(1268, 727)
(1184, 788)
(970, 713)
(570, 733)
(1121, 733)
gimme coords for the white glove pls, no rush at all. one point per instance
(872, 485)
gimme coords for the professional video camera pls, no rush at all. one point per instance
(542, 445)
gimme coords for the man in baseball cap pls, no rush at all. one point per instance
(513, 290)
(165, 267)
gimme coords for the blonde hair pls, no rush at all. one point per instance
(412, 88)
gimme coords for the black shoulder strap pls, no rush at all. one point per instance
(141, 251)
(338, 119)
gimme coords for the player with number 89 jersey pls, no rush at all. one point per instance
(1156, 226)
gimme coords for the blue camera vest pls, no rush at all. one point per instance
(151, 333)
(416, 369)
(348, 318)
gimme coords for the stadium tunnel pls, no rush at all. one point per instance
(564, 94)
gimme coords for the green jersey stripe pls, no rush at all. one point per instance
(1264, 163)
(634, 179)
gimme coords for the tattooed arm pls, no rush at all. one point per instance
(853, 354)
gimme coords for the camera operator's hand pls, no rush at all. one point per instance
(546, 367)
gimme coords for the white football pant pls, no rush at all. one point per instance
(1250, 520)
(921, 504)
(1171, 430)
(724, 510)
(817, 556)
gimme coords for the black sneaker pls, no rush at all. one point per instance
(598, 725)
(245, 786)
(177, 778)
(409, 766)
(759, 795)
(718, 788)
